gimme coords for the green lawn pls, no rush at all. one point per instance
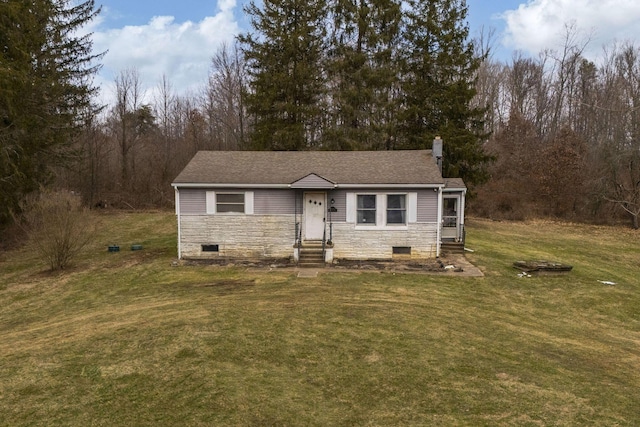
(127, 339)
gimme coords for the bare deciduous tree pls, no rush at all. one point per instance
(57, 225)
(222, 99)
(128, 101)
(620, 153)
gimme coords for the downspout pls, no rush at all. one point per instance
(179, 223)
(463, 198)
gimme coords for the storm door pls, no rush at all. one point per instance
(450, 218)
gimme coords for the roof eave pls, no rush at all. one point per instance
(383, 185)
(287, 186)
(225, 185)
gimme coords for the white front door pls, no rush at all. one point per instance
(314, 215)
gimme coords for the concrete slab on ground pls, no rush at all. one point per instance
(308, 273)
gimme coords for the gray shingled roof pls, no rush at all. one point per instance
(286, 167)
(454, 183)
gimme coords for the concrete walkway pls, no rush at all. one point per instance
(469, 270)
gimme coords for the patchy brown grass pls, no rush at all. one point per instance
(128, 339)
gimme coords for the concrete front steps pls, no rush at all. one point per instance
(311, 255)
(451, 247)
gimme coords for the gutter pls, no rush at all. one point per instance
(288, 186)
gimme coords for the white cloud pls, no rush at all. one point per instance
(181, 51)
(541, 24)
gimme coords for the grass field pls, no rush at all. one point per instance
(127, 339)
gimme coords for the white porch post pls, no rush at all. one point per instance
(439, 228)
(463, 198)
(179, 225)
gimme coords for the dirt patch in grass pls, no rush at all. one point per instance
(228, 286)
(428, 265)
(243, 263)
(435, 265)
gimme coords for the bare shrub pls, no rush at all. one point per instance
(58, 226)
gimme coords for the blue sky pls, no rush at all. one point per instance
(178, 38)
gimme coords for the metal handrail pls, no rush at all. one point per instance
(324, 239)
(298, 239)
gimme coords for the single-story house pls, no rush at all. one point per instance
(301, 205)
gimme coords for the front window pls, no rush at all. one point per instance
(396, 209)
(367, 209)
(230, 202)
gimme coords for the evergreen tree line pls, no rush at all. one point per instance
(45, 91)
(364, 75)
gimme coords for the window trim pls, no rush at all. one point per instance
(411, 206)
(212, 202)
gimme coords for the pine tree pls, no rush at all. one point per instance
(439, 67)
(45, 90)
(286, 76)
(363, 73)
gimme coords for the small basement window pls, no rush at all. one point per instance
(210, 248)
(402, 250)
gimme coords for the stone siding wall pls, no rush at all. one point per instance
(238, 236)
(359, 244)
(273, 236)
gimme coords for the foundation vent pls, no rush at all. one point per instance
(402, 250)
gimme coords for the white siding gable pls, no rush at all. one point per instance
(313, 181)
